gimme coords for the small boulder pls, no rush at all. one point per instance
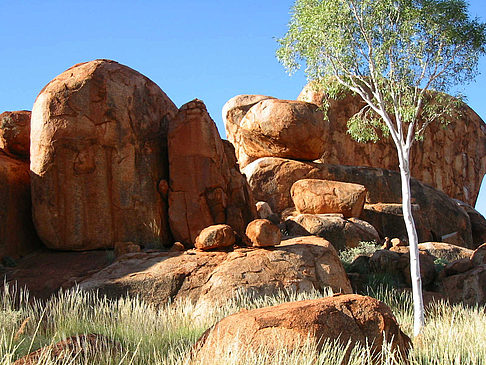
(263, 233)
(217, 236)
(341, 232)
(15, 133)
(352, 319)
(314, 196)
(479, 256)
(263, 210)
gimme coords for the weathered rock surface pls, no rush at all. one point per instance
(271, 179)
(427, 268)
(451, 159)
(15, 133)
(263, 233)
(17, 232)
(478, 224)
(354, 318)
(217, 236)
(468, 287)
(314, 196)
(302, 264)
(122, 248)
(458, 266)
(479, 255)
(263, 210)
(272, 127)
(206, 187)
(233, 112)
(341, 232)
(98, 153)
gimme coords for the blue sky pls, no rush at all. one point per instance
(211, 49)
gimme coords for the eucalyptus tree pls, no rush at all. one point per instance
(400, 57)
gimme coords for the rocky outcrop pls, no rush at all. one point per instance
(451, 159)
(347, 319)
(342, 233)
(479, 255)
(271, 179)
(314, 196)
(478, 223)
(17, 232)
(98, 153)
(206, 187)
(468, 287)
(300, 265)
(15, 133)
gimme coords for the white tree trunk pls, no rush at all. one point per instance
(418, 303)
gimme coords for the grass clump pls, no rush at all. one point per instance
(348, 255)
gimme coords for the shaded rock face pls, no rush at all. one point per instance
(451, 159)
(314, 196)
(354, 318)
(342, 233)
(271, 179)
(302, 265)
(98, 153)
(17, 232)
(478, 223)
(206, 187)
(15, 133)
(468, 287)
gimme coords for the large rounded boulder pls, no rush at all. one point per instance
(279, 128)
(350, 320)
(98, 154)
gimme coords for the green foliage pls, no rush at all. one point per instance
(348, 255)
(400, 56)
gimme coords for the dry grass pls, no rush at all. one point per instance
(453, 334)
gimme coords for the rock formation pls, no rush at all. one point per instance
(217, 236)
(451, 159)
(300, 265)
(15, 133)
(344, 318)
(98, 153)
(263, 233)
(271, 179)
(206, 187)
(17, 233)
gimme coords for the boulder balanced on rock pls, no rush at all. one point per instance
(98, 153)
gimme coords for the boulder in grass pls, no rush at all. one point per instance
(356, 319)
(217, 236)
(315, 196)
(263, 233)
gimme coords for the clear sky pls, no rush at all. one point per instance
(206, 49)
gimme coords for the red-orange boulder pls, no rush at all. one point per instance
(15, 133)
(98, 153)
(217, 236)
(263, 233)
(206, 187)
(355, 319)
(315, 196)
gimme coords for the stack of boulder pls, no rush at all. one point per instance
(278, 143)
